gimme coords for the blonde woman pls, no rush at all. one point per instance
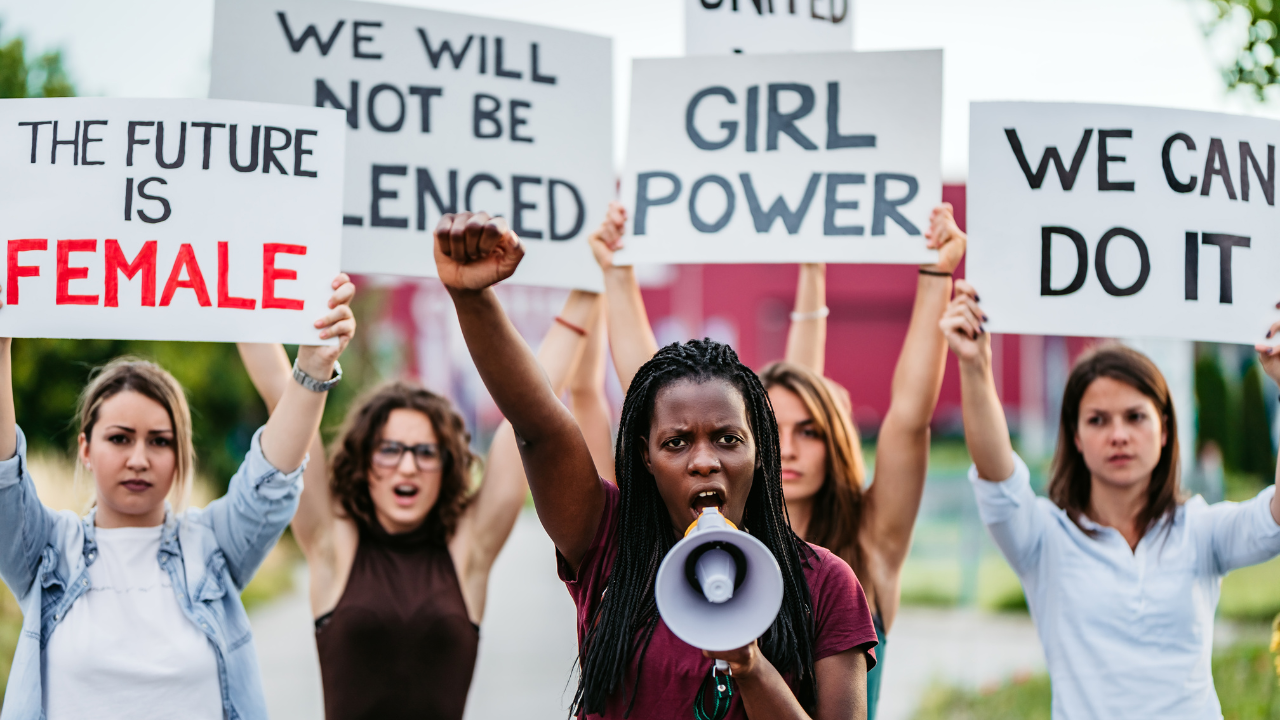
(133, 611)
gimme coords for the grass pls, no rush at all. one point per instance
(1244, 675)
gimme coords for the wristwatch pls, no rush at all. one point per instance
(313, 384)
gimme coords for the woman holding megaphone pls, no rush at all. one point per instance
(696, 432)
(398, 545)
(823, 475)
(134, 609)
(1121, 572)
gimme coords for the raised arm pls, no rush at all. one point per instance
(268, 368)
(631, 338)
(807, 335)
(902, 449)
(986, 432)
(473, 253)
(294, 423)
(492, 513)
(587, 398)
(25, 523)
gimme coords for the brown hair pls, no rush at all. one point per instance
(837, 508)
(352, 456)
(1070, 483)
(130, 374)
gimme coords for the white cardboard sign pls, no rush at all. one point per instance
(1118, 221)
(718, 27)
(168, 219)
(445, 113)
(830, 157)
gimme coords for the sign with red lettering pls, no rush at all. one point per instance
(1121, 221)
(168, 219)
(445, 113)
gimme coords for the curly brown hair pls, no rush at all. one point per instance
(361, 433)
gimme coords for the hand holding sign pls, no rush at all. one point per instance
(339, 323)
(962, 324)
(947, 238)
(474, 251)
(607, 239)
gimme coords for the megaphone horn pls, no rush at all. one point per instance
(719, 588)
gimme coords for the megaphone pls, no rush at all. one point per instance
(718, 588)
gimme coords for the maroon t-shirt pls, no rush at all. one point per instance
(674, 670)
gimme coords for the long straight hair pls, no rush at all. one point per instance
(1071, 482)
(837, 506)
(131, 374)
(624, 620)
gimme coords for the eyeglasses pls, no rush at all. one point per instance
(389, 454)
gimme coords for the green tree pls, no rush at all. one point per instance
(1255, 63)
(1213, 406)
(42, 76)
(1256, 452)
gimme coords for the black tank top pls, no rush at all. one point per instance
(399, 643)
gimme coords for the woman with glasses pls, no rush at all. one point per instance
(398, 545)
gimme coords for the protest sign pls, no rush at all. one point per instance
(830, 157)
(168, 219)
(445, 113)
(718, 27)
(1115, 221)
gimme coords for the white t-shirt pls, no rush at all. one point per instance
(125, 650)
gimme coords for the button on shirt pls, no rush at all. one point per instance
(1126, 633)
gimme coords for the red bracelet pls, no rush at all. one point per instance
(571, 326)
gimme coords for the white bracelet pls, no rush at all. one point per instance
(815, 315)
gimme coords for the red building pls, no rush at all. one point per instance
(748, 306)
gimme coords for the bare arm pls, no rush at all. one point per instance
(295, 420)
(590, 406)
(493, 511)
(986, 433)
(841, 680)
(807, 335)
(268, 368)
(902, 450)
(8, 416)
(631, 338)
(473, 253)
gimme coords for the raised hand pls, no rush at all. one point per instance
(317, 360)
(474, 251)
(946, 237)
(607, 239)
(962, 325)
(1268, 355)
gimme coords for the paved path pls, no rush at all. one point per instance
(528, 647)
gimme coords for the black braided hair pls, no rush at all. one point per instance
(627, 615)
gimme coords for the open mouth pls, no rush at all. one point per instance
(706, 499)
(136, 485)
(405, 491)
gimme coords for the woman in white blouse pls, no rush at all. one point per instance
(1122, 573)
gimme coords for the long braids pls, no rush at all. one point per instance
(627, 615)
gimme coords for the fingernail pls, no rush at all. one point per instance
(977, 299)
(985, 318)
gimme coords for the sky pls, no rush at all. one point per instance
(1142, 52)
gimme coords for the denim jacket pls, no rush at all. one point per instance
(209, 554)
